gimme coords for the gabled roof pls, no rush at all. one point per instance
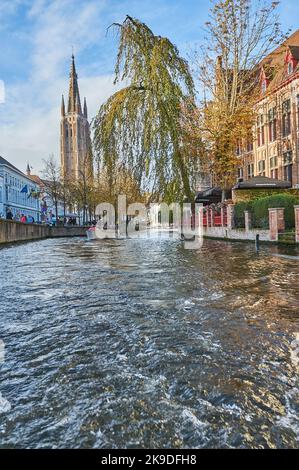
(294, 51)
(7, 163)
(36, 179)
(3, 161)
(275, 61)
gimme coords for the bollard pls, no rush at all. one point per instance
(257, 243)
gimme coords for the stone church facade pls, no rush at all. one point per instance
(75, 143)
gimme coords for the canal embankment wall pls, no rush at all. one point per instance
(13, 231)
(236, 234)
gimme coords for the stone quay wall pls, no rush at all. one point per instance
(12, 231)
(235, 234)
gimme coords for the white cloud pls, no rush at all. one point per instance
(30, 117)
(33, 133)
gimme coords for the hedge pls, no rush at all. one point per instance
(259, 210)
(247, 195)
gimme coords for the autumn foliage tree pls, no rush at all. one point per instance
(240, 33)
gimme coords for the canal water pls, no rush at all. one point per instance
(127, 343)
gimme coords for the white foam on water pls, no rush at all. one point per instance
(295, 351)
(290, 419)
(232, 409)
(5, 406)
(190, 416)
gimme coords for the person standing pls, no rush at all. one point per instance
(9, 214)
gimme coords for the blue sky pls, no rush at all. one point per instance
(36, 43)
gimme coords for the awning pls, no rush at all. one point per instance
(259, 182)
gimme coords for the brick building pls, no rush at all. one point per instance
(274, 151)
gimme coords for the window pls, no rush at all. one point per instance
(290, 68)
(264, 86)
(286, 118)
(250, 170)
(274, 173)
(260, 131)
(261, 166)
(240, 172)
(272, 124)
(288, 173)
(287, 157)
(273, 162)
(249, 146)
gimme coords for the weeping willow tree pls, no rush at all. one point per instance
(140, 126)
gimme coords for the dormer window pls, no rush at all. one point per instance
(264, 86)
(291, 59)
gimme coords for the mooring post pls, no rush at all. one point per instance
(296, 208)
(257, 242)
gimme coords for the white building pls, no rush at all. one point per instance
(16, 192)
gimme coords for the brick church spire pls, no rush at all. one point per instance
(74, 131)
(62, 106)
(85, 108)
(74, 95)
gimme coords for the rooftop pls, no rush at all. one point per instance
(262, 182)
(7, 163)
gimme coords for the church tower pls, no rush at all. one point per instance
(75, 144)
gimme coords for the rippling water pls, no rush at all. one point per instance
(127, 343)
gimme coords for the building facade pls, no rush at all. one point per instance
(274, 150)
(75, 145)
(17, 192)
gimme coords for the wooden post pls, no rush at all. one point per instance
(296, 208)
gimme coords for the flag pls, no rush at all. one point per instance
(34, 194)
(25, 189)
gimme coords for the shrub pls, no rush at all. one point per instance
(259, 210)
(239, 218)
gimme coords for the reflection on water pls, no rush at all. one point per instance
(127, 343)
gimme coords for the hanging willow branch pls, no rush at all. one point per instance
(140, 126)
